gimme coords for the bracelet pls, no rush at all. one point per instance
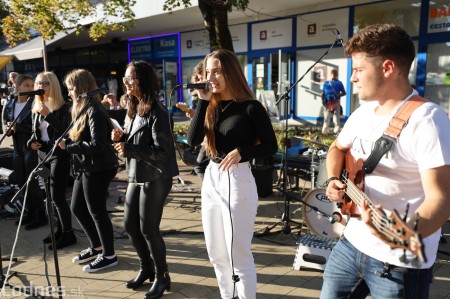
(327, 182)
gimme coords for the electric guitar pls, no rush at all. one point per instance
(183, 107)
(396, 233)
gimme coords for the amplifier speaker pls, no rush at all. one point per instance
(6, 158)
(264, 179)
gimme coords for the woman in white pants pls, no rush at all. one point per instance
(237, 129)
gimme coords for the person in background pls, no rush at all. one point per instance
(412, 176)
(51, 117)
(202, 159)
(25, 159)
(110, 101)
(237, 129)
(7, 96)
(12, 79)
(151, 165)
(94, 165)
(123, 104)
(332, 91)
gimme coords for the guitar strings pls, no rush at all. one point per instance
(379, 220)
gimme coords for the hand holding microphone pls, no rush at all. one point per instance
(202, 88)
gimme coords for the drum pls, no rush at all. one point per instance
(322, 174)
(319, 213)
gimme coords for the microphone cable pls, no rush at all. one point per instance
(234, 277)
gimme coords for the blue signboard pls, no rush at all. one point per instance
(140, 49)
(165, 46)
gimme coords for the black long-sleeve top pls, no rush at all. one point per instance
(244, 125)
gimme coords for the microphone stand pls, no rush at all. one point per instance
(44, 172)
(4, 280)
(285, 220)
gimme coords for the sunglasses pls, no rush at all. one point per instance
(128, 79)
(43, 83)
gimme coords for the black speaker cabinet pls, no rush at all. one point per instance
(263, 176)
(6, 155)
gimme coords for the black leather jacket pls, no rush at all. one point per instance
(22, 132)
(149, 147)
(93, 152)
(58, 121)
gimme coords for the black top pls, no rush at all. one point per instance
(94, 151)
(244, 125)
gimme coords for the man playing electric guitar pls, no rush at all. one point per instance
(413, 171)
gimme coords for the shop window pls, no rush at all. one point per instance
(405, 13)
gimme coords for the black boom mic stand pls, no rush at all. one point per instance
(285, 218)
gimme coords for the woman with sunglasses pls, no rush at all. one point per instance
(94, 165)
(51, 117)
(24, 158)
(151, 164)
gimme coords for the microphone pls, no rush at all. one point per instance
(338, 36)
(204, 86)
(38, 92)
(91, 93)
(334, 218)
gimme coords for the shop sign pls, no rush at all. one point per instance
(439, 19)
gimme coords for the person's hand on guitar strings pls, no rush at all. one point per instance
(367, 218)
(336, 190)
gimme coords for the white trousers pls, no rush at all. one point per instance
(229, 206)
(327, 119)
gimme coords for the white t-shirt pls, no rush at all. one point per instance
(423, 144)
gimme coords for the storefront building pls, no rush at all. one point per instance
(276, 52)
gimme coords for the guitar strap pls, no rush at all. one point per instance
(390, 135)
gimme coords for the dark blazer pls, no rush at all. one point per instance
(58, 121)
(149, 148)
(93, 152)
(22, 130)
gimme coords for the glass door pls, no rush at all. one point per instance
(167, 72)
(437, 84)
(270, 79)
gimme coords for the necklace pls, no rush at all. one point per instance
(226, 106)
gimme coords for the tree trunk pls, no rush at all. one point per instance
(215, 16)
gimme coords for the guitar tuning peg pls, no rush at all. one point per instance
(415, 262)
(405, 217)
(416, 221)
(403, 258)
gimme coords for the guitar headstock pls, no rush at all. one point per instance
(405, 237)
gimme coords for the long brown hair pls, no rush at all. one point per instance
(236, 85)
(148, 85)
(82, 81)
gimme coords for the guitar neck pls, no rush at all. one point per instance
(396, 233)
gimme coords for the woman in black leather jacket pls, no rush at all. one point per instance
(24, 158)
(151, 164)
(51, 117)
(94, 166)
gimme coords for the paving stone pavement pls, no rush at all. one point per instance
(192, 274)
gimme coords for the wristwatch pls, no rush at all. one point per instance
(329, 180)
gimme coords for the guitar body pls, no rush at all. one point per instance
(354, 173)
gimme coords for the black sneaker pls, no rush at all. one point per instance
(86, 256)
(100, 263)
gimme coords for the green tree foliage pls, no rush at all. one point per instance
(215, 15)
(49, 17)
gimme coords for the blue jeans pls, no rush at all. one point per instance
(352, 274)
